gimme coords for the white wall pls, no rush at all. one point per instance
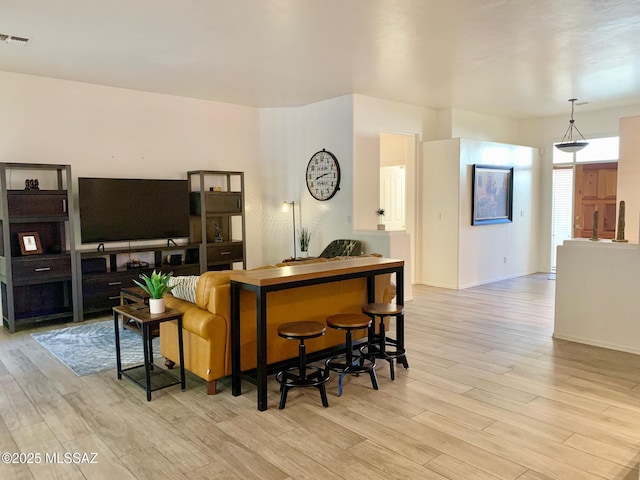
(440, 211)
(371, 117)
(288, 138)
(494, 252)
(629, 175)
(106, 131)
(488, 128)
(597, 300)
(457, 254)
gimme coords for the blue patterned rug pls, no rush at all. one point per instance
(91, 348)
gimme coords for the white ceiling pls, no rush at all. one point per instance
(517, 58)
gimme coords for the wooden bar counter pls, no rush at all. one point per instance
(262, 282)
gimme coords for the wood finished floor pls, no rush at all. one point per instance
(489, 394)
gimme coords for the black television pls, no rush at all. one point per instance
(121, 209)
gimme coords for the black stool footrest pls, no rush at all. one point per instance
(288, 380)
(373, 351)
(359, 365)
(314, 379)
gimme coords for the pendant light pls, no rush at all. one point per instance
(568, 144)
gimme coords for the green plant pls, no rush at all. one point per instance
(380, 212)
(304, 236)
(156, 285)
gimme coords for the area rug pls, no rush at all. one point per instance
(91, 348)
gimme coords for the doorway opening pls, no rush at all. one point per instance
(583, 183)
(397, 151)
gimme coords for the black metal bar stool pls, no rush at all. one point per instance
(348, 363)
(378, 344)
(318, 377)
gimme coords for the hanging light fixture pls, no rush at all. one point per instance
(568, 144)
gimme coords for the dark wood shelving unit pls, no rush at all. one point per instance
(41, 287)
(217, 218)
(103, 274)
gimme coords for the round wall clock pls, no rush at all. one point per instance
(323, 175)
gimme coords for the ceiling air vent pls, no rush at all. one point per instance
(13, 39)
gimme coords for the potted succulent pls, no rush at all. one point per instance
(304, 236)
(156, 286)
(380, 213)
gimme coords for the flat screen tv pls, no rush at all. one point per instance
(121, 209)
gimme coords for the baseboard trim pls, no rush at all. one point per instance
(596, 343)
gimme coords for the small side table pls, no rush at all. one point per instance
(154, 378)
(133, 295)
(129, 295)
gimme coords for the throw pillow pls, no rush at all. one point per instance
(184, 287)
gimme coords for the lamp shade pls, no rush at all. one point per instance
(571, 147)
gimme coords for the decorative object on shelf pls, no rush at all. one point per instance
(137, 263)
(621, 223)
(304, 237)
(323, 175)
(30, 243)
(156, 286)
(380, 213)
(174, 259)
(594, 235)
(285, 208)
(492, 195)
(568, 144)
(31, 184)
(218, 237)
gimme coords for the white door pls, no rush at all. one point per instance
(392, 197)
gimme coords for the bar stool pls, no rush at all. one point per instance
(318, 377)
(377, 344)
(348, 364)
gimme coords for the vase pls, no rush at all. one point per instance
(304, 253)
(156, 305)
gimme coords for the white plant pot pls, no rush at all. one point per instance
(156, 305)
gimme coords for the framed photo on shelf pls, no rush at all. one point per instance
(492, 195)
(30, 243)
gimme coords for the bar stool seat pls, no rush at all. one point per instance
(294, 377)
(379, 346)
(347, 363)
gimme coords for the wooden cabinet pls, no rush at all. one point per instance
(104, 273)
(37, 287)
(34, 204)
(217, 221)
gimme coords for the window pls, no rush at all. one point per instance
(599, 150)
(562, 209)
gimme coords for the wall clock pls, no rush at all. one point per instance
(323, 175)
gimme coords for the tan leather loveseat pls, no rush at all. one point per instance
(206, 323)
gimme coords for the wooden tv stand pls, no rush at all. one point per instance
(102, 274)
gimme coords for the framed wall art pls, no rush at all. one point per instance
(30, 243)
(492, 195)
